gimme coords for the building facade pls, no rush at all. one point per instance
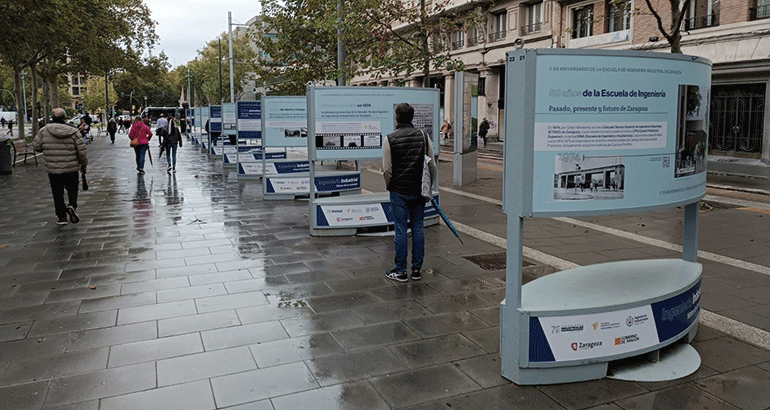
(733, 34)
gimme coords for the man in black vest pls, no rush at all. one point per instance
(403, 153)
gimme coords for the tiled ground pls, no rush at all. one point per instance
(188, 291)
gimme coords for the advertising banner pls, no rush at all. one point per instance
(613, 131)
(579, 337)
(331, 183)
(249, 122)
(274, 168)
(352, 122)
(285, 121)
(228, 118)
(351, 215)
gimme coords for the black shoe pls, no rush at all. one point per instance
(416, 274)
(168, 169)
(62, 221)
(396, 275)
(74, 218)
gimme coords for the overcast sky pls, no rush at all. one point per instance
(185, 26)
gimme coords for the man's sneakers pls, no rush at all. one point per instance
(62, 221)
(399, 276)
(402, 276)
(74, 218)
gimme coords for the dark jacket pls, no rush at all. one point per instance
(407, 147)
(63, 150)
(172, 138)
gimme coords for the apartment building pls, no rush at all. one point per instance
(76, 85)
(733, 34)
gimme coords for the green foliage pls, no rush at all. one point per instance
(205, 69)
(94, 98)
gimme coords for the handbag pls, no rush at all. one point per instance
(134, 142)
(427, 182)
(133, 134)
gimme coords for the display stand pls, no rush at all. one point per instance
(204, 134)
(352, 129)
(583, 143)
(215, 130)
(465, 164)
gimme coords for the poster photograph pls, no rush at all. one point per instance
(580, 178)
(692, 137)
(352, 141)
(330, 141)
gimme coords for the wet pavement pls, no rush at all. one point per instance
(188, 291)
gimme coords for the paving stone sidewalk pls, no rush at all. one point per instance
(188, 291)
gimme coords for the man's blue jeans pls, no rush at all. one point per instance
(413, 208)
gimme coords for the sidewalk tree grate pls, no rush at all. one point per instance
(492, 261)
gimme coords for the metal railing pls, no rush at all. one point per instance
(456, 45)
(737, 120)
(532, 28)
(711, 20)
(496, 36)
(759, 12)
(475, 40)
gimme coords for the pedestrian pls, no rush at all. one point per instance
(84, 128)
(183, 126)
(403, 153)
(172, 141)
(112, 128)
(140, 136)
(121, 125)
(10, 127)
(483, 130)
(2, 121)
(64, 154)
(445, 128)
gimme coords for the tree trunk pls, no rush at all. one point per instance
(19, 101)
(35, 116)
(53, 88)
(45, 98)
(676, 30)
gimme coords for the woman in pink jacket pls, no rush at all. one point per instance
(142, 134)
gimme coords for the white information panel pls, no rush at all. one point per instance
(352, 122)
(285, 121)
(613, 132)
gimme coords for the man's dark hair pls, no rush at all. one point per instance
(404, 113)
(58, 116)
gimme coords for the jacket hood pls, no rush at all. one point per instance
(60, 130)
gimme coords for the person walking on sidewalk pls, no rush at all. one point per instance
(140, 136)
(64, 154)
(403, 153)
(112, 128)
(445, 128)
(483, 130)
(172, 141)
(10, 127)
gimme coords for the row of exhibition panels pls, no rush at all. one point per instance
(334, 124)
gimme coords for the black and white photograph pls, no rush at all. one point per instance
(292, 133)
(582, 177)
(331, 141)
(372, 140)
(352, 141)
(691, 138)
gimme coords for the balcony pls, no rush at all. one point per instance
(475, 40)
(456, 45)
(712, 20)
(531, 29)
(496, 36)
(759, 12)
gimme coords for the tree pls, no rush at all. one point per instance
(205, 69)
(674, 32)
(94, 98)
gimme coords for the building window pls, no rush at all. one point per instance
(583, 21)
(498, 26)
(619, 16)
(737, 118)
(75, 90)
(458, 40)
(74, 81)
(702, 14)
(534, 18)
(761, 10)
(474, 38)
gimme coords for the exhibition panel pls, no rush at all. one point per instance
(596, 133)
(350, 124)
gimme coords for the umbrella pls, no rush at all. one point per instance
(149, 154)
(446, 220)
(85, 183)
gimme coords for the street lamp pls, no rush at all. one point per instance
(230, 25)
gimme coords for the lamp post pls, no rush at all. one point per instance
(230, 25)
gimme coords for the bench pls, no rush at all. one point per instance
(20, 147)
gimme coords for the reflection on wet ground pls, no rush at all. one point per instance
(188, 288)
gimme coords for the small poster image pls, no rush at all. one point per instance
(352, 141)
(330, 141)
(292, 133)
(579, 177)
(373, 141)
(691, 139)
